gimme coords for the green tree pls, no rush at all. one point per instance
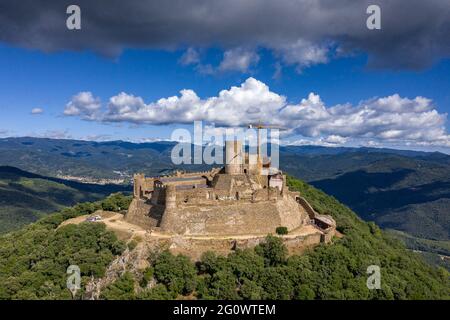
(121, 289)
(250, 290)
(245, 263)
(304, 292)
(276, 284)
(273, 250)
(210, 263)
(178, 273)
(116, 202)
(158, 292)
(223, 285)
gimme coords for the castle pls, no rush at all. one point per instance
(237, 200)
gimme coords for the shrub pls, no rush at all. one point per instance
(132, 244)
(147, 276)
(281, 230)
(116, 202)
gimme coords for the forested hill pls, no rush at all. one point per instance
(25, 196)
(34, 259)
(408, 191)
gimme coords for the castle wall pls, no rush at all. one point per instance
(305, 204)
(139, 213)
(194, 196)
(142, 186)
(194, 248)
(234, 218)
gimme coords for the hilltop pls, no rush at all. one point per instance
(335, 271)
(403, 190)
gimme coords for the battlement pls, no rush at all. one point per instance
(230, 201)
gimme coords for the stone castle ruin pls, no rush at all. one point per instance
(237, 201)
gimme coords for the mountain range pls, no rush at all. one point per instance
(403, 190)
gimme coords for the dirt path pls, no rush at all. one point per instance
(125, 230)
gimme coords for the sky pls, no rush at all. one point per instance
(321, 75)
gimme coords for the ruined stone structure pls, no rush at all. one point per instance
(234, 201)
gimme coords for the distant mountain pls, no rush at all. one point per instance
(25, 196)
(399, 189)
(113, 159)
(407, 194)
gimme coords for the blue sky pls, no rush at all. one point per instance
(325, 77)
(33, 79)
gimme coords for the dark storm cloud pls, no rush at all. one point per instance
(415, 33)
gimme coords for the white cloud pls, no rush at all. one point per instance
(191, 56)
(391, 120)
(83, 104)
(53, 134)
(250, 102)
(238, 59)
(234, 60)
(37, 111)
(335, 139)
(303, 54)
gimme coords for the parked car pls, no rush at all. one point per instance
(94, 218)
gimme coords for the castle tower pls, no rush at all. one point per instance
(171, 197)
(233, 157)
(169, 219)
(138, 181)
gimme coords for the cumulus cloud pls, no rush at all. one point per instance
(247, 103)
(386, 120)
(83, 104)
(37, 111)
(414, 33)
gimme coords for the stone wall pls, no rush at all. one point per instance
(234, 218)
(143, 214)
(194, 248)
(305, 204)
